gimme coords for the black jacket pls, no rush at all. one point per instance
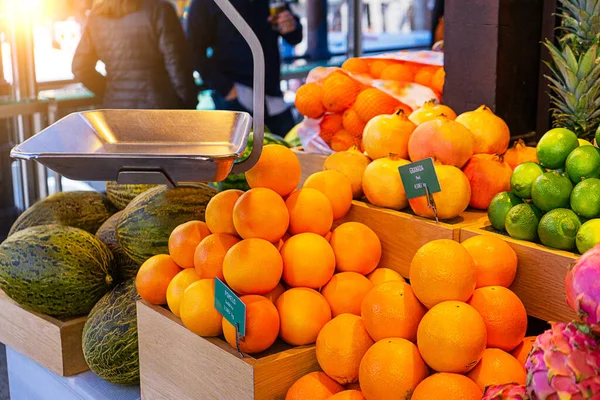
(231, 59)
(146, 58)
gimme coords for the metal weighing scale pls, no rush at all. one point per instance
(155, 146)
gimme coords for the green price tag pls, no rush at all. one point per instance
(230, 306)
(418, 176)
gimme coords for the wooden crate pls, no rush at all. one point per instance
(310, 163)
(54, 344)
(402, 233)
(178, 364)
(540, 280)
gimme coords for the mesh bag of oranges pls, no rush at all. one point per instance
(338, 102)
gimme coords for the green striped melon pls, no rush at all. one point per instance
(148, 221)
(81, 209)
(122, 194)
(110, 340)
(107, 233)
(55, 270)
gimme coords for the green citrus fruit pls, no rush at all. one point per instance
(583, 163)
(588, 235)
(523, 177)
(551, 190)
(558, 229)
(555, 146)
(522, 221)
(583, 142)
(585, 198)
(500, 206)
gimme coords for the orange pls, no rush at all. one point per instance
(154, 276)
(303, 313)
(442, 270)
(356, 66)
(252, 266)
(424, 75)
(345, 292)
(336, 187)
(308, 261)
(352, 123)
(381, 275)
(262, 325)
(209, 255)
(177, 286)
(398, 72)
(438, 79)
(341, 345)
(392, 310)
(313, 386)
(348, 395)
(339, 91)
(522, 351)
(277, 169)
(183, 242)
(274, 294)
(327, 136)
(391, 369)
(219, 211)
(372, 102)
(197, 308)
(344, 140)
(377, 67)
(261, 213)
(330, 124)
(357, 248)
(328, 236)
(310, 211)
(282, 241)
(504, 315)
(309, 100)
(452, 337)
(495, 261)
(445, 386)
(497, 367)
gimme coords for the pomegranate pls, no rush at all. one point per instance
(443, 139)
(583, 287)
(382, 184)
(519, 154)
(488, 175)
(388, 133)
(490, 132)
(431, 110)
(351, 163)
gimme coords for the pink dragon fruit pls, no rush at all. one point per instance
(564, 364)
(511, 391)
(582, 285)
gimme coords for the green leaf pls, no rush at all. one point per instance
(587, 62)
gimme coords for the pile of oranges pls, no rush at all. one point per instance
(450, 333)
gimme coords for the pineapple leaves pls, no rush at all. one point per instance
(587, 62)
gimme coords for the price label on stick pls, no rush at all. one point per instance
(419, 179)
(231, 308)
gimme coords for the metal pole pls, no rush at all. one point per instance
(52, 118)
(354, 28)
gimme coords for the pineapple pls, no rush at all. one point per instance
(575, 69)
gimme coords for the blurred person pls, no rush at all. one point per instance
(437, 21)
(143, 46)
(228, 71)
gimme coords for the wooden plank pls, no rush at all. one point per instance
(402, 233)
(310, 163)
(549, 23)
(191, 367)
(52, 343)
(540, 276)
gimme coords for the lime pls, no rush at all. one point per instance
(523, 177)
(588, 235)
(558, 229)
(551, 190)
(522, 221)
(583, 163)
(583, 142)
(555, 146)
(500, 206)
(585, 198)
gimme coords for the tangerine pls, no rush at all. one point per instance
(357, 248)
(348, 395)
(313, 386)
(398, 72)
(252, 266)
(197, 309)
(336, 187)
(339, 91)
(177, 286)
(219, 211)
(277, 169)
(424, 76)
(309, 100)
(274, 294)
(303, 312)
(344, 140)
(209, 255)
(522, 350)
(377, 66)
(310, 211)
(345, 292)
(372, 102)
(154, 276)
(183, 241)
(447, 387)
(261, 213)
(330, 124)
(308, 261)
(495, 261)
(356, 66)
(497, 367)
(381, 275)
(438, 79)
(352, 123)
